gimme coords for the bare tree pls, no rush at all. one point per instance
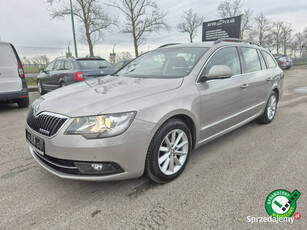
(44, 59)
(300, 40)
(232, 8)
(142, 18)
(40, 60)
(305, 38)
(269, 42)
(294, 47)
(286, 36)
(190, 24)
(25, 61)
(262, 26)
(277, 33)
(122, 56)
(91, 15)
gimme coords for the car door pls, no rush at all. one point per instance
(55, 74)
(45, 75)
(259, 82)
(66, 76)
(221, 106)
(9, 76)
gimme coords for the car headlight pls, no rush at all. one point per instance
(101, 126)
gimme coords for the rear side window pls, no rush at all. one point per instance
(263, 65)
(226, 56)
(94, 64)
(251, 59)
(68, 65)
(7, 56)
(269, 60)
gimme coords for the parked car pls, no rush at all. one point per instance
(120, 64)
(13, 85)
(148, 117)
(290, 62)
(66, 71)
(284, 62)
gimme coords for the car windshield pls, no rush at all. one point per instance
(93, 64)
(164, 63)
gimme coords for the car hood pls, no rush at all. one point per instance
(94, 96)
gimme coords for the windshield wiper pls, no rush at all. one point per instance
(101, 67)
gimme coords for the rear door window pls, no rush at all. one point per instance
(7, 56)
(58, 65)
(251, 59)
(226, 56)
(269, 60)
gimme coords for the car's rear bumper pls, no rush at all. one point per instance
(17, 94)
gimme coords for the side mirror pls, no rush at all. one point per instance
(217, 72)
(41, 70)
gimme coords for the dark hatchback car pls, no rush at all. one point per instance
(66, 71)
(121, 64)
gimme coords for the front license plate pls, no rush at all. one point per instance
(36, 142)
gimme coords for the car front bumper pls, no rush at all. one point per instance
(128, 151)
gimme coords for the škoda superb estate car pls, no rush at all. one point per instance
(149, 115)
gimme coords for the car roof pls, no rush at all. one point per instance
(211, 44)
(4, 43)
(79, 58)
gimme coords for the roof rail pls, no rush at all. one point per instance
(60, 57)
(169, 44)
(234, 40)
(89, 57)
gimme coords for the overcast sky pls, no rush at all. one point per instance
(26, 23)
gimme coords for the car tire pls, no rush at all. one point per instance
(270, 109)
(169, 151)
(23, 103)
(62, 84)
(40, 88)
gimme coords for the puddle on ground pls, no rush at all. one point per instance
(301, 90)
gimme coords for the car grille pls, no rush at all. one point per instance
(45, 123)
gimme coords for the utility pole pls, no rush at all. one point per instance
(73, 28)
(114, 54)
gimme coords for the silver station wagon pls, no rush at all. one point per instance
(149, 115)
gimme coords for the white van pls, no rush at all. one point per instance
(13, 85)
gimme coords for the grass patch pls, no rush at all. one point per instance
(31, 81)
(32, 69)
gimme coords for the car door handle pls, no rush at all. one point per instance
(244, 86)
(269, 79)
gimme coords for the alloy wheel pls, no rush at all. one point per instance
(271, 109)
(173, 152)
(39, 87)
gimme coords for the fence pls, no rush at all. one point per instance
(300, 61)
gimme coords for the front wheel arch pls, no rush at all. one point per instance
(152, 164)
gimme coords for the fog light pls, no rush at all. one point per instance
(98, 168)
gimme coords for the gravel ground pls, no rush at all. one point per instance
(224, 182)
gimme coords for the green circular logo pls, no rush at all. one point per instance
(281, 203)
